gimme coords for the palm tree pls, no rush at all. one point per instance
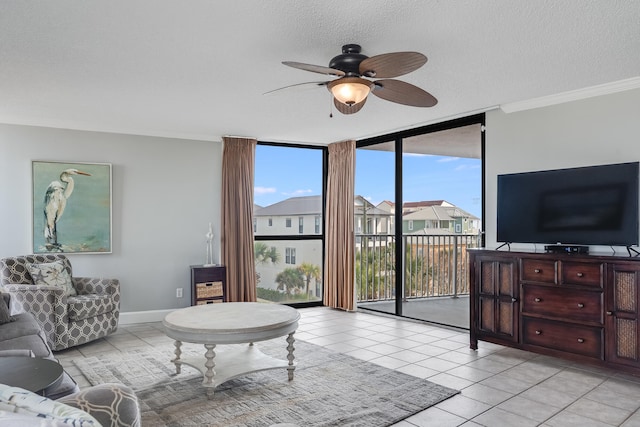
(289, 279)
(375, 272)
(309, 271)
(264, 254)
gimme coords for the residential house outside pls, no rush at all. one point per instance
(370, 219)
(438, 216)
(437, 234)
(295, 216)
(435, 237)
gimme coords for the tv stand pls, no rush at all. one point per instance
(567, 249)
(584, 308)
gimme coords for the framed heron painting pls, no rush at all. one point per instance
(71, 207)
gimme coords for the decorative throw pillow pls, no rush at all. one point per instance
(5, 315)
(52, 273)
(19, 403)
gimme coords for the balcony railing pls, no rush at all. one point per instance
(434, 265)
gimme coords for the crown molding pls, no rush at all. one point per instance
(91, 127)
(573, 95)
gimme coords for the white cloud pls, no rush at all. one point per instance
(298, 193)
(448, 159)
(264, 190)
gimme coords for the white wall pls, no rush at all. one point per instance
(599, 130)
(165, 194)
(166, 191)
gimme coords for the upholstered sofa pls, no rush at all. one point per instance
(70, 310)
(63, 404)
(21, 336)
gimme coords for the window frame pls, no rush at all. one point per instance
(315, 236)
(397, 139)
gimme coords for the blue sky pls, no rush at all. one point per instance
(283, 172)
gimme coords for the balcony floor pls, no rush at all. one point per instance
(442, 310)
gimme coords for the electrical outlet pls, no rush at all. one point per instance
(178, 292)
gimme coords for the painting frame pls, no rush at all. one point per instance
(71, 207)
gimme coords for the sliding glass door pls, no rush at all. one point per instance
(432, 200)
(375, 226)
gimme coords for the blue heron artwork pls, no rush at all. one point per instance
(71, 207)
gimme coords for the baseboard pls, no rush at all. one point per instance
(133, 317)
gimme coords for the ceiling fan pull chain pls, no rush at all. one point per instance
(331, 106)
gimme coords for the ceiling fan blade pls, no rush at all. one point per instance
(348, 109)
(403, 93)
(314, 68)
(392, 64)
(297, 85)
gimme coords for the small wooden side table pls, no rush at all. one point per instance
(208, 284)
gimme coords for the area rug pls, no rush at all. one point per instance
(328, 389)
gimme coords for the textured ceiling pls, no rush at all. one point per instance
(199, 69)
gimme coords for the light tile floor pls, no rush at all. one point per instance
(500, 386)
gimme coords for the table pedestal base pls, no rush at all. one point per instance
(223, 363)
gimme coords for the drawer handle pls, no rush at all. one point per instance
(538, 332)
(537, 270)
(580, 275)
(514, 299)
(537, 299)
(580, 340)
(609, 313)
(580, 305)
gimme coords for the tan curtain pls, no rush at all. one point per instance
(238, 161)
(339, 254)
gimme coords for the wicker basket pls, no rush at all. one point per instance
(208, 290)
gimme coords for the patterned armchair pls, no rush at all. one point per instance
(86, 310)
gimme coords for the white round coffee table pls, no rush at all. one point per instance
(232, 323)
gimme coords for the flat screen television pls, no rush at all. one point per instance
(594, 205)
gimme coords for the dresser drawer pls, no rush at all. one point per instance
(209, 290)
(536, 270)
(582, 273)
(582, 340)
(562, 303)
(208, 301)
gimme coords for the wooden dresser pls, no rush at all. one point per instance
(579, 307)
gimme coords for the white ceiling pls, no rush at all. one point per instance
(199, 68)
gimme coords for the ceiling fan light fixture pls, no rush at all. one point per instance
(350, 90)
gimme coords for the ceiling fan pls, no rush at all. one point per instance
(353, 71)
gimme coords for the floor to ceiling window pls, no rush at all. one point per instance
(431, 203)
(288, 223)
(374, 224)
